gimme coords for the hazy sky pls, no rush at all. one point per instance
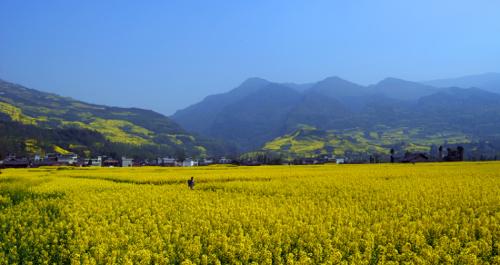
(165, 55)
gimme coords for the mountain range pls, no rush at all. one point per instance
(332, 116)
(32, 122)
(305, 119)
(488, 81)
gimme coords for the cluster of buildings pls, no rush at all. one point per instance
(12, 161)
(53, 159)
(320, 160)
(452, 154)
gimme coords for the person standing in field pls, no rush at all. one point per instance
(191, 183)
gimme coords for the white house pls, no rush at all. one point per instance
(207, 161)
(95, 162)
(127, 162)
(224, 160)
(340, 160)
(168, 161)
(69, 159)
(189, 163)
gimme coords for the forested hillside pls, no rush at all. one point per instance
(32, 121)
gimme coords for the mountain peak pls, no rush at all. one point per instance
(335, 80)
(336, 87)
(250, 85)
(251, 81)
(393, 80)
(402, 89)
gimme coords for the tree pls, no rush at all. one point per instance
(460, 150)
(180, 154)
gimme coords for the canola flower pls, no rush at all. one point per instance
(444, 213)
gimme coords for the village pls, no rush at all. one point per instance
(71, 159)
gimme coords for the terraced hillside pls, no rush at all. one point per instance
(312, 142)
(36, 122)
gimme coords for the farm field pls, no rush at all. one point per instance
(440, 213)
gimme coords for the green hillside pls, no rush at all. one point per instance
(36, 122)
(308, 141)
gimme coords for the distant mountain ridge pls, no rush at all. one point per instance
(32, 121)
(488, 81)
(271, 110)
(402, 89)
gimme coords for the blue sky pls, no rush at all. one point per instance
(166, 55)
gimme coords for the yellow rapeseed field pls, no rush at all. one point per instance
(442, 213)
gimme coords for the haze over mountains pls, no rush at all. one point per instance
(488, 81)
(259, 111)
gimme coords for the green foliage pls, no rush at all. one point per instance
(61, 150)
(16, 114)
(121, 131)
